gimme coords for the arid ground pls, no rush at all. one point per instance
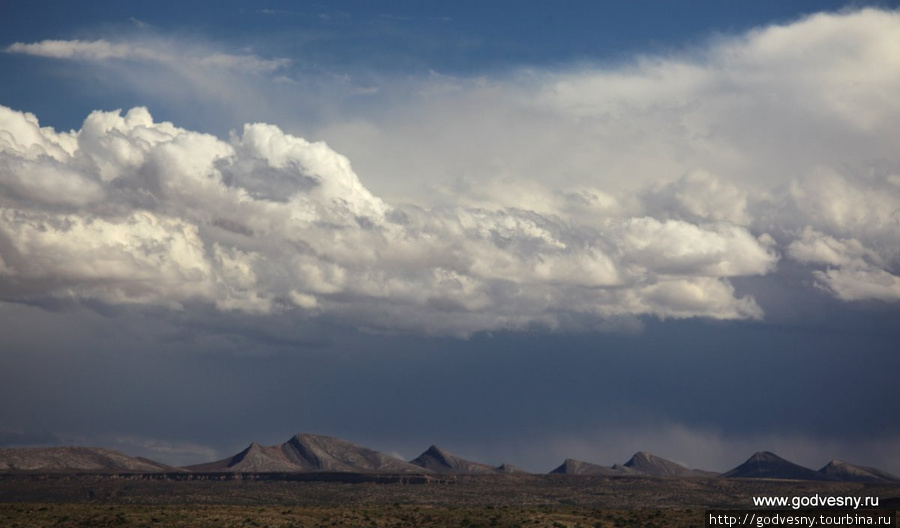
(465, 501)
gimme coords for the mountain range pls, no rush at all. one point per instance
(310, 453)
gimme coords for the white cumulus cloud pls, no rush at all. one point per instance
(127, 210)
(852, 271)
(533, 197)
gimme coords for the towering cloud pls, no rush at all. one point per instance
(127, 210)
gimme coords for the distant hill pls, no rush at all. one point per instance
(767, 465)
(89, 459)
(441, 461)
(840, 470)
(651, 464)
(642, 464)
(255, 459)
(579, 467)
(509, 469)
(310, 453)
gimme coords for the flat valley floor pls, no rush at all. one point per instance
(470, 501)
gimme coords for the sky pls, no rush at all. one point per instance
(522, 231)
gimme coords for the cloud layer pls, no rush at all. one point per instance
(536, 198)
(102, 50)
(127, 210)
(788, 130)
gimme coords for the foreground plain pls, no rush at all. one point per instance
(557, 501)
(400, 516)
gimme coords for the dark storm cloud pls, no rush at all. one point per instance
(530, 399)
(28, 438)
